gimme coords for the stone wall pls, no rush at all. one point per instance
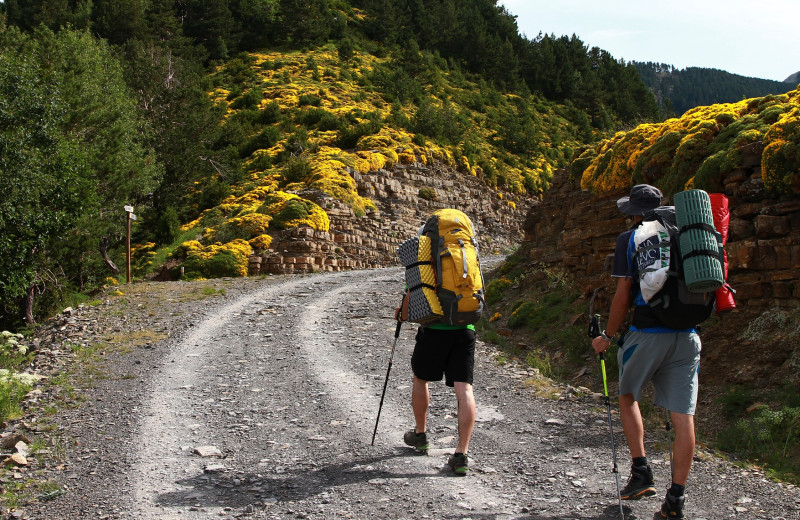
(576, 230)
(368, 241)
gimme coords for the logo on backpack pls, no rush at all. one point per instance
(678, 258)
(443, 272)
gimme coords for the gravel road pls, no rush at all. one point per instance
(261, 404)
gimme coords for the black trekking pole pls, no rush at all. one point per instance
(391, 356)
(594, 331)
(668, 427)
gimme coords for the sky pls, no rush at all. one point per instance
(755, 38)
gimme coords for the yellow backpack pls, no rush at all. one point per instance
(459, 281)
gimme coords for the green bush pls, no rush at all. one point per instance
(736, 401)
(524, 314)
(221, 264)
(297, 169)
(12, 392)
(270, 114)
(319, 117)
(13, 353)
(265, 139)
(768, 435)
(249, 100)
(309, 99)
(348, 136)
(495, 290)
(427, 193)
(295, 209)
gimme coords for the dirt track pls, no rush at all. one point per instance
(283, 376)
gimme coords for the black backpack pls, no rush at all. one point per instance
(674, 306)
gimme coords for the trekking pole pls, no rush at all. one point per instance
(391, 356)
(594, 331)
(668, 427)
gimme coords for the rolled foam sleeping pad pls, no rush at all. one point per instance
(423, 303)
(702, 265)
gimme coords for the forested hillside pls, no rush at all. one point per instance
(678, 90)
(177, 107)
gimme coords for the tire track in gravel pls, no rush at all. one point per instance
(167, 426)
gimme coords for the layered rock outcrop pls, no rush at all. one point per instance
(577, 230)
(405, 196)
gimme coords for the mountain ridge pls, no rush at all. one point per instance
(678, 90)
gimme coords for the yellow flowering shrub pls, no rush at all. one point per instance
(288, 210)
(362, 165)
(142, 256)
(780, 161)
(260, 243)
(406, 157)
(139, 250)
(215, 260)
(244, 227)
(700, 148)
(190, 225)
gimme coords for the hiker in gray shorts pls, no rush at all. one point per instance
(650, 351)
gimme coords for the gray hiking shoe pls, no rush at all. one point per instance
(416, 440)
(672, 506)
(640, 484)
(459, 462)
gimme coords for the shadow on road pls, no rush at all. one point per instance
(239, 489)
(609, 513)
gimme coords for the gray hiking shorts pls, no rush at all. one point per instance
(671, 360)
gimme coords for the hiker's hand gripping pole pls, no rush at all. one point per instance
(594, 331)
(391, 356)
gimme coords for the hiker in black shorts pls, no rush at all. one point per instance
(651, 352)
(446, 348)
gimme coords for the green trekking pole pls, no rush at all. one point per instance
(383, 394)
(594, 331)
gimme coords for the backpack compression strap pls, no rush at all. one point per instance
(421, 285)
(463, 258)
(417, 264)
(700, 252)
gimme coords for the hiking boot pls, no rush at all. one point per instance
(459, 462)
(640, 484)
(416, 440)
(672, 506)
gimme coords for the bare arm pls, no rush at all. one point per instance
(619, 310)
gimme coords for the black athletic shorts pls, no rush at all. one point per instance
(448, 352)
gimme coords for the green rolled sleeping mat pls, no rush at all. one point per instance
(423, 303)
(700, 243)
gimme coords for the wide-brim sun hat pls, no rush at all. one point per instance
(642, 199)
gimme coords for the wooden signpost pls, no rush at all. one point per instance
(130, 216)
